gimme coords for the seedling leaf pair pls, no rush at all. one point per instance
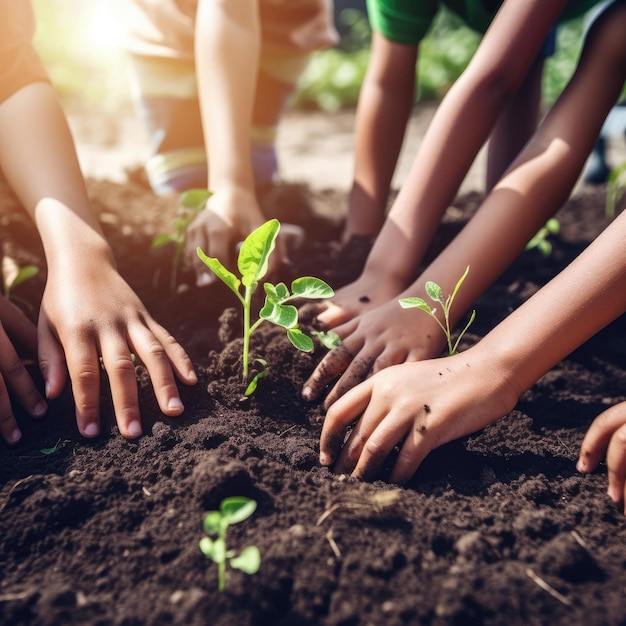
(435, 293)
(232, 511)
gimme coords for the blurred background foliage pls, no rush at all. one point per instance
(80, 43)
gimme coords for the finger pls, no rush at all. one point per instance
(119, 366)
(84, 369)
(334, 315)
(596, 440)
(51, 361)
(177, 357)
(337, 420)
(196, 237)
(329, 368)
(8, 425)
(616, 464)
(416, 447)
(355, 373)
(16, 377)
(22, 331)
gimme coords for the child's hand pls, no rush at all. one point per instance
(17, 333)
(229, 217)
(419, 406)
(90, 318)
(385, 336)
(607, 434)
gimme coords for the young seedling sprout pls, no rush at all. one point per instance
(435, 293)
(14, 275)
(541, 241)
(190, 204)
(232, 511)
(252, 262)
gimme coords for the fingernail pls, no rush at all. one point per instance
(47, 389)
(16, 435)
(204, 279)
(580, 465)
(175, 404)
(134, 429)
(40, 408)
(192, 376)
(91, 430)
(324, 459)
(307, 393)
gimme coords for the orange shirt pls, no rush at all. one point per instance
(20, 64)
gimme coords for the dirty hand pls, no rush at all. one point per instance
(228, 218)
(89, 315)
(385, 336)
(17, 335)
(418, 406)
(607, 434)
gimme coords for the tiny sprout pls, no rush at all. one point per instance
(329, 339)
(540, 240)
(435, 293)
(14, 275)
(615, 185)
(232, 511)
(190, 204)
(253, 263)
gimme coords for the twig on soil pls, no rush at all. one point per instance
(333, 544)
(13, 487)
(579, 540)
(286, 431)
(358, 500)
(546, 587)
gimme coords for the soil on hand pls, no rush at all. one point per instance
(495, 528)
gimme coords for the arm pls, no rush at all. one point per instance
(429, 403)
(385, 102)
(88, 311)
(227, 49)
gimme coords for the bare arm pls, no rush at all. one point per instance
(385, 102)
(88, 311)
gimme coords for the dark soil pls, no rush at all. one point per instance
(496, 528)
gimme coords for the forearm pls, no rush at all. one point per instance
(460, 127)
(228, 41)
(385, 102)
(579, 302)
(38, 158)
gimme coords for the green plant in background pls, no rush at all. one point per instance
(253, 262)
(232, 511)
(540, 241)
(14, 275)
(189, 205)
(615, 185)
(435, 293)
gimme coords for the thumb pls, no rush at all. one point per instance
(51, 361)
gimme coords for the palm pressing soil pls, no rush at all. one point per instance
(496, 528)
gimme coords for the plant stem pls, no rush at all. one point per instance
(246, 332)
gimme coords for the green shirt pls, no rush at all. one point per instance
(408, 21)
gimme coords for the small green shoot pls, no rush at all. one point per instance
(232, 511)
(51, 450)
(190, 204)
(615, 185)
(329, 338)
(435, 293)
(253, 263)
(14, 275)
(540, 240)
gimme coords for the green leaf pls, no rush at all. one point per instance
(23, 274)
(215, 550)
(254, 383)
(278, 293)
(434, 292)
(329, 339)
(248, 561)
(237, 509)
(415, 303)
(459, 283)
(194, 199)
(212, 522)
(285, 315)
(311, 287)
(51, 450)
(253, 260)
(300, 340)
(225, 275)
(162, 240)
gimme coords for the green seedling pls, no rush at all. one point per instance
(190, 204)
(14, 275)
(615, 185)
(329, 339)
(435, 293)
(232, 511)
(253, 262)
(541, 241)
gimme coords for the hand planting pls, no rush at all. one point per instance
(435, 293)
(232, 511)
(252, 263)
